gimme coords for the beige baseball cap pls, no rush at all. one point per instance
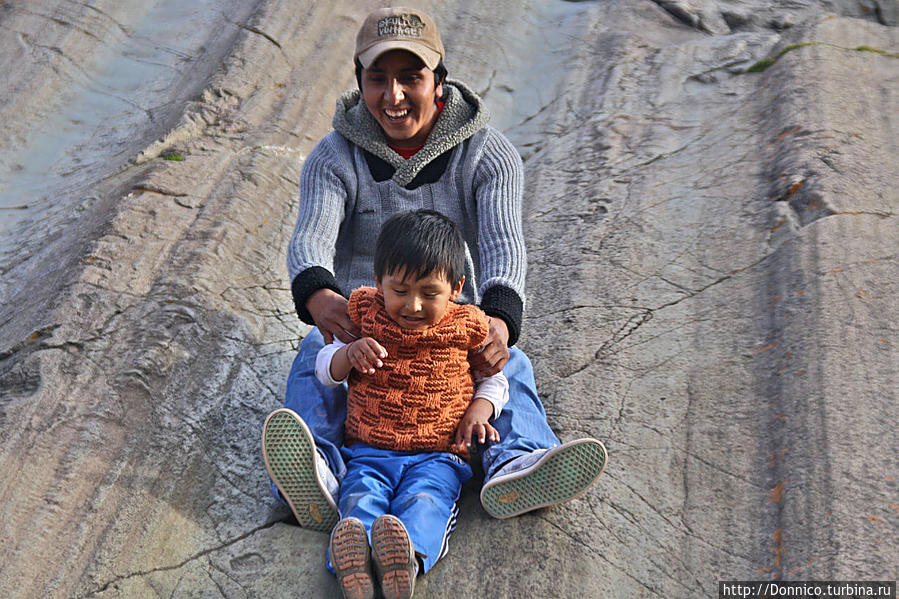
(399, 28)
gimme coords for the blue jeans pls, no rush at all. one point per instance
(522, 424)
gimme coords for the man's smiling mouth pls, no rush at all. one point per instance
(396, 114)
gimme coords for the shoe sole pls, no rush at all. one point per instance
(563, 473)
(351, 559)
(289, 452)
(394, 557)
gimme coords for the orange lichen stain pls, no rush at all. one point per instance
(778, 548)
(34, 336)
(895, 507)
(782, 370)
(804, 566)
(790, 132)
(776, 456)
(836, 270)
(796, 187)
(875, 519)
(90, 258)
(777, 493)
(889, 478)
(780, 416)
(775, 299)
(800, 372)
(778, 225)
(861, 295)
(800, 293)
(763, 349)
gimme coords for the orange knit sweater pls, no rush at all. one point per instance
(416, 400)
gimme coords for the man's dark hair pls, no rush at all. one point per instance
(420, 242)
(439, 74)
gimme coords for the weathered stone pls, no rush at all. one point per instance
(711, 292)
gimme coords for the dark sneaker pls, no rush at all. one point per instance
(351, 559)
(394, 557)
(543, 478)
(292, 462)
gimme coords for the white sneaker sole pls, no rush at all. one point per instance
(289, 452)
(563, 473)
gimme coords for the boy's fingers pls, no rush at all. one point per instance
(460, 435)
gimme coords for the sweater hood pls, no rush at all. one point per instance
(464, 114)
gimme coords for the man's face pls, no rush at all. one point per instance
(417, 303)
(399, 91)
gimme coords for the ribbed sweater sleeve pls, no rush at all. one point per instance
(499, 181)
(323, 195)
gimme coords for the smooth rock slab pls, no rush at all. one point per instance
(711, 289)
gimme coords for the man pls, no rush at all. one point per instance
(409, 138)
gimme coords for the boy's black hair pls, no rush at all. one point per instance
(439, 74)
(419, 243)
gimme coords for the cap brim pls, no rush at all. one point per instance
(428, 56)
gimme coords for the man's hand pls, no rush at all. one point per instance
(329, 311)
(475, 425)
(493, 354)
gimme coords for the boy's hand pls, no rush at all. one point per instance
(365, 355)
(475, 425)
(494, 352)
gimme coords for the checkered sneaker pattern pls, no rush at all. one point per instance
(290, 456)
(556, 475)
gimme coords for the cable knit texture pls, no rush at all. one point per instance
(342, 207)
(416, 400)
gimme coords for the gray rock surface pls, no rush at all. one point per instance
(712, 289)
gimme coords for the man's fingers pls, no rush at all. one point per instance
(343, 336)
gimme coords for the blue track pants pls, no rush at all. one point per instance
(421, 489)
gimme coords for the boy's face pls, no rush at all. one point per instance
(417, 304)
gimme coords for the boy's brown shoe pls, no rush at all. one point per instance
(394, 557)
(351, 559)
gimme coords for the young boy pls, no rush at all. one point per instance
(413, 408)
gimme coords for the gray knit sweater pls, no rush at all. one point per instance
(352, 181)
